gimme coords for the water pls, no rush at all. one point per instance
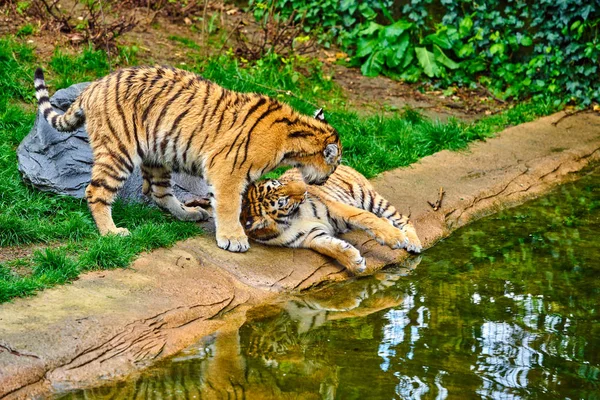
(506, 308)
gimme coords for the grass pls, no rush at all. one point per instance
(371, 144)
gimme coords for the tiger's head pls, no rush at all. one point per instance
(315, 150)
(268, 203)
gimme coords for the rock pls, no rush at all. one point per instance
(60, 162)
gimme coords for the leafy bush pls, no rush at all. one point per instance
(516, 49)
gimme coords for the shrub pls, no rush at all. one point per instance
(516, 49)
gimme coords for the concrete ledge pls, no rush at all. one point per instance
(109, 324)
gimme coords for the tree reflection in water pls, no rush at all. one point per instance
(507, 308)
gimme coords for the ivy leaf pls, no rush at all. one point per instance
(374, 64)
(367, 11)
(497, 48)
(427, 62)
(397, 29)
(395, 53)
(365, 47)
(526, 41)
(443, 58)
(465, 26)
(465, 50)
(476, 65)
(412, 74)
(348, 5)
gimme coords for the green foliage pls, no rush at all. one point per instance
(88, 65)
(54, 266)
(26, 30)
(185, 41)
(516, 49)
(331, 18)
(15, 69)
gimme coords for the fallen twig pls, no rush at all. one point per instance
(567, 115)
(438, 204)
(489, 93)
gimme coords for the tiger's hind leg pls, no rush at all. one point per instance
(342, 251)
(157, 184)
(108, 176)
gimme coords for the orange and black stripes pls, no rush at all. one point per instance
(164, 119)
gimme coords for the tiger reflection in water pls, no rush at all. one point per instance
(269, 356)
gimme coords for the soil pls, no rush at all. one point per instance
(14, 252)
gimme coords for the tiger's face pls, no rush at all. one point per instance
(319, 150)
(270, 202)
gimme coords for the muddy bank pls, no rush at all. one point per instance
(110, 323)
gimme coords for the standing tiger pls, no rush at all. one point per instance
(165, 119)
(287, 212)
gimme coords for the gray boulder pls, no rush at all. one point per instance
(61, 163)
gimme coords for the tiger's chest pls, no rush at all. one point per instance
(311, 215)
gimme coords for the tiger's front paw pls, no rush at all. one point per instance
(353, 260)
(413, 243)
(118, 232)
(391, 236)
(360, 265)
(238, 244)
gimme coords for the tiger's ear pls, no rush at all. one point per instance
(320, 115)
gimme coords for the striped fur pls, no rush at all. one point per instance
(164, 119)
(289, 213)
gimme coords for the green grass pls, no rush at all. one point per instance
(372, 144)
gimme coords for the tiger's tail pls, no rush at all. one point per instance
(69, 121)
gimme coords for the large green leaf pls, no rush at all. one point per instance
(409, 56)
(427, 62)
(395, 54)
(443, 58)
(365, 47)
(374, 64)
(396, 29)
(370, 29)
(440, 38)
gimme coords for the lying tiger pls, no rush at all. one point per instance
(287, 212)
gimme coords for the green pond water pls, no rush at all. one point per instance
(506, 308)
